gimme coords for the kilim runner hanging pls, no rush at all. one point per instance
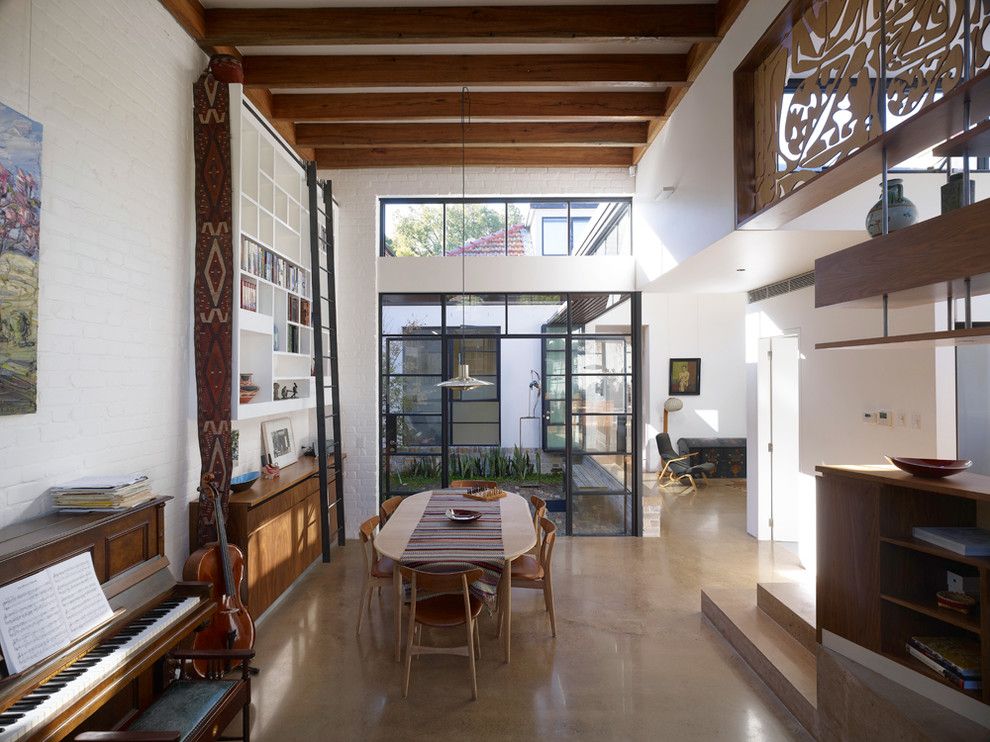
(214, 284)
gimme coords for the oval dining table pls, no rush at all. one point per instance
(518, 537)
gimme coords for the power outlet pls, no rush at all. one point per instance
(885, 418)
(870, 418)
(916, 420)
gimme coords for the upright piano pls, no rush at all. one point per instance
(104, 679)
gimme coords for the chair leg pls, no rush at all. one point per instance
(246, 721)
(365, 592)
(470, 649)
(409, 653)
(477, 639)
(548, 599)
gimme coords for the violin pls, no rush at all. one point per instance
(222, 565)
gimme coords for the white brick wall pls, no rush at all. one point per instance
(357, 192)
(111, 83)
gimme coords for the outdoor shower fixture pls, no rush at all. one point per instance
(534, 400)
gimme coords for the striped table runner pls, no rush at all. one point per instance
(439, 545)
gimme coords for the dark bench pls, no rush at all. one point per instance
(727, 454)
(193, 709)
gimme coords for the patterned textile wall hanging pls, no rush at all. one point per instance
(845, 72)
(213, 286)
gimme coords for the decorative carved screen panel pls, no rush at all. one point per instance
(817, 83)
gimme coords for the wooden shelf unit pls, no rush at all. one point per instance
(876, 582)
(972, 143)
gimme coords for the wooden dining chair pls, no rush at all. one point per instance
(539, 511)
(472, 484)
(388, 507)
(532, 571)
(378, 571)
(456, 608)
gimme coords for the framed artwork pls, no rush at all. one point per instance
(20, 227)
(280, 443)
(685, 376)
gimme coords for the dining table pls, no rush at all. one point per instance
(518, 536)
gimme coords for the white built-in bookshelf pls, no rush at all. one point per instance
(273, 333)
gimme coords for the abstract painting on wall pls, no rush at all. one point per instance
(20, 222)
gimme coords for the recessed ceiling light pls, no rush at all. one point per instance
(740, 270)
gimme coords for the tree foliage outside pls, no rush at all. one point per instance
(419, 231)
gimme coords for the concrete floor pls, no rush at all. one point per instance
(633, 658)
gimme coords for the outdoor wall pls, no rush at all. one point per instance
(362, 275)
(111, 82)
(837, 387)
(706, 326)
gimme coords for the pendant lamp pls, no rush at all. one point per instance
(463, 381)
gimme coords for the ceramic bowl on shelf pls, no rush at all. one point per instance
(243, 481)
(930, 468)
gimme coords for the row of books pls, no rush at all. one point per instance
(299, 310)
(102, 493)
(955, 658)
(261, 262)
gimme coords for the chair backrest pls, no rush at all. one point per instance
(539, 511)
(440, 582)
(473, 484)
(388, 507)
(664, 446)
(366, 532)
(546, 548)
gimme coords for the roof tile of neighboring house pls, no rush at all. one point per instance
(520, 243)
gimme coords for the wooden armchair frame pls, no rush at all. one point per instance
(675, 478)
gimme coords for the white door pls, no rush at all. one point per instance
(785, 504)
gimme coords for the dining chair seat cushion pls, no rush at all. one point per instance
(445, 610)
(383, 567)
(527, 567)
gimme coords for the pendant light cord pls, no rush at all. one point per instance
(465, 116)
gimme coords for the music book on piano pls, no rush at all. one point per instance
(45, 612)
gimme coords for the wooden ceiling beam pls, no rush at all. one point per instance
(397, 25)
(413, 70)
(385, 107)
(338, 158)
(563, 133)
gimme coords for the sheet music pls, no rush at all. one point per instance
(45, 612)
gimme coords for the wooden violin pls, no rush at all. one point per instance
(222, 565)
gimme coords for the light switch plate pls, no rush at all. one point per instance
(916, 421)
(885, 418)
(870, 418)
(900, 420)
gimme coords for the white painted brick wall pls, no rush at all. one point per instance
(357, 192)
(111, 81)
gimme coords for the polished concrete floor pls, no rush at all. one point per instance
(633, 658)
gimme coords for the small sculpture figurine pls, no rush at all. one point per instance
(295, 391)
(275, 390)
(285, 392)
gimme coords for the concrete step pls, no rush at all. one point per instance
(792, 605)
(780, 660)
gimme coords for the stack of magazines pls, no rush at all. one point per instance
(99, 493)
(955, 658)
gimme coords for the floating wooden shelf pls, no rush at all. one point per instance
(924, 547)
(960, 620)
(938, 250)
(932, 125)
(910, 662)
(942, 338)
(972, 143)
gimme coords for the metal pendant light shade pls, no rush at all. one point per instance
(463, 381)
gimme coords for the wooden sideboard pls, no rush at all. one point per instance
(276, 523)
(876, 583)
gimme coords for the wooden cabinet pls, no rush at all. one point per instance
(876, 582)
(277, 525)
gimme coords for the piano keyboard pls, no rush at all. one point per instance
(66, 688)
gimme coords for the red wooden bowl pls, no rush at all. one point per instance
(930, 468)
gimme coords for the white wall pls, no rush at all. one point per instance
(357, 192)
(838, 386)
(711, 327)
(111, 83)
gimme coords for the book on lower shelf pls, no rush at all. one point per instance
(957, 680)
(968, 541)
(955, 658)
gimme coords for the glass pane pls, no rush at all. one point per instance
(412, 473)
(553, 235)
(556, 437)
(475, 434)
(601, 393)
(556, 412)
(556, 364)
(474, 412)
(409, 394)
(601, 474)
(482, 392)
(478, 313)
(480, 353)
(601, 228)
(414, 356)
(484, 225)
(533, 314)
(411, 314)
(526, 221)
(601, 356)
(601, 433)
(415, 431)
(553, 387)
(601, 313)
(413, 229)
(601, 515)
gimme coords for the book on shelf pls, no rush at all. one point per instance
(968, 541)
(249, 294)
(955, 653)
(102, 493)
(956, 679)
(304, 312)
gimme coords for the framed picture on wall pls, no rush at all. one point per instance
(685, 376)
(280, 443)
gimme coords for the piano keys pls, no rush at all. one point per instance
(104, 679)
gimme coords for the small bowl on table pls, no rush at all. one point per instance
(244, 481)
(462, 515)
(930, 468)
